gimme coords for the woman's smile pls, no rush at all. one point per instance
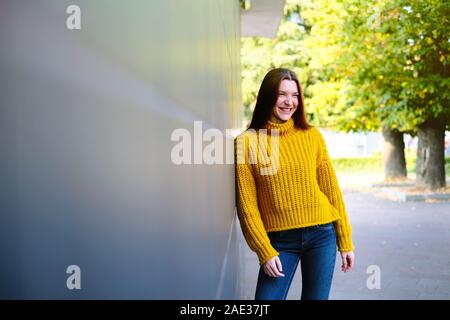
(286, 110)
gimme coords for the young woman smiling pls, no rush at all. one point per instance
(296, 214)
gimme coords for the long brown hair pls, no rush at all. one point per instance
(268, 95)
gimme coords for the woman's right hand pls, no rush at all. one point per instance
(273, 267)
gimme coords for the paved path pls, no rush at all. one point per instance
(409, 242)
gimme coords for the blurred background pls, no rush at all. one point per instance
(89, 100)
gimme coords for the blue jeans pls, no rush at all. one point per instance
(315, 247)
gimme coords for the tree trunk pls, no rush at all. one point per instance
(394, 154)
(430, 166)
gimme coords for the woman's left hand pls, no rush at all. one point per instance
(348, 260)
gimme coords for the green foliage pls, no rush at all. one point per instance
(374, 164)
(397, 52)
(369, 164)
(363, 62)
(259, 55)
(411, 75)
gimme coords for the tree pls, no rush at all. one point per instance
(368, 65)
(413, 80)
(390, 70)
(344, 93)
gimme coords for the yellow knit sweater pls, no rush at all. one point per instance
(301, 191)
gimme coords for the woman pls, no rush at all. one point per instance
(295, 213)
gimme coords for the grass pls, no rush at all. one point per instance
(370, 164)
(374, 164)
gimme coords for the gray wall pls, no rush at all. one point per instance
(86, 176)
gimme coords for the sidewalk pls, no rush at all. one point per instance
(409, 242)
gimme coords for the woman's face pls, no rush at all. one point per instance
(287, 101)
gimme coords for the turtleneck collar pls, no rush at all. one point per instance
(284, 128)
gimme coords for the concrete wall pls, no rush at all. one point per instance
(86, 176)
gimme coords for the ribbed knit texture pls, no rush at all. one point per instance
(302, 192)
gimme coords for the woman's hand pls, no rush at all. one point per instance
(348, 260)
(273, 267)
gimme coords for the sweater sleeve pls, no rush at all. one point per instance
(247, 209)
(328, 183)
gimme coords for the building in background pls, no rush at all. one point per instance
(352, 145)
(85, 162)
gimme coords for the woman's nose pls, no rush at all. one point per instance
(288, 101)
